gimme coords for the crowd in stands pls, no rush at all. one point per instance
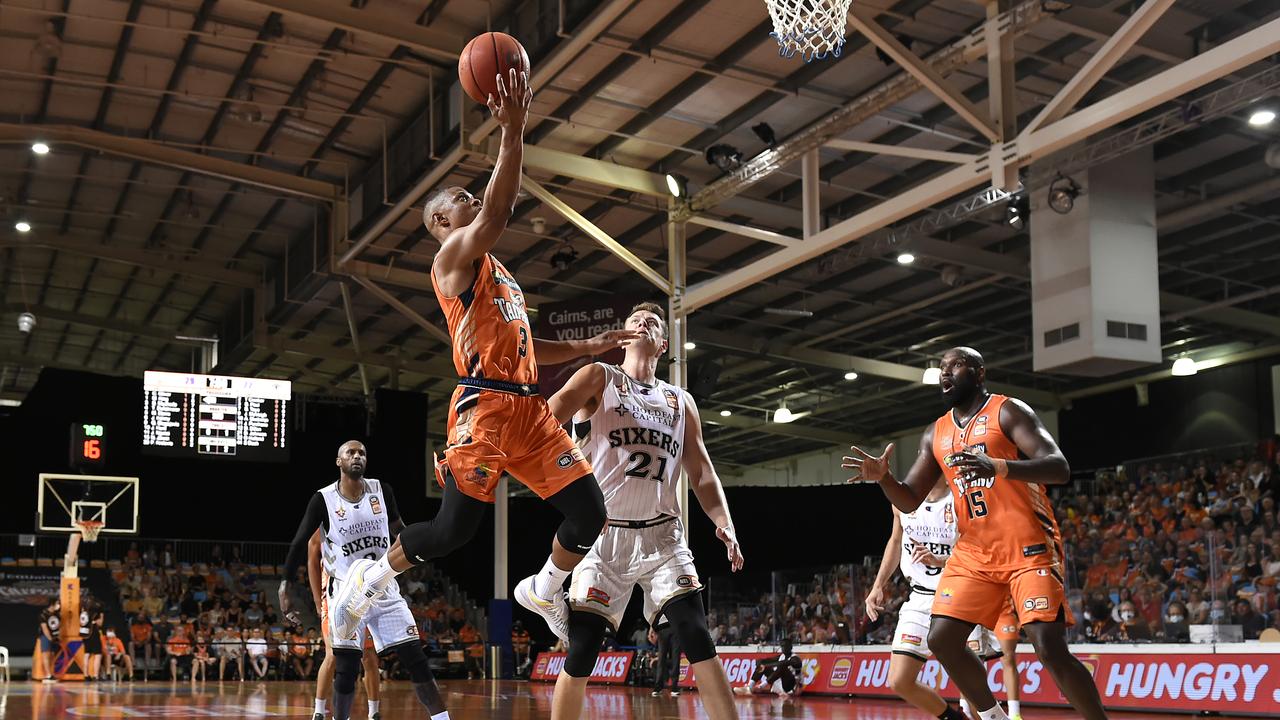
(213, 620)
(1152, 548)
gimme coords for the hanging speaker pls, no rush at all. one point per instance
(704, 377)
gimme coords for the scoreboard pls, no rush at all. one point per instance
(188, 415)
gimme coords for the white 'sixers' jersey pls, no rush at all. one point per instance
(933, 525)
(635, 443)
(356, 530)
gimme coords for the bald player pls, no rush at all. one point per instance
(997, 458)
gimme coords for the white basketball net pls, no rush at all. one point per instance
(813, 29)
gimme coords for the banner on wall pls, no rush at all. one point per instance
(578, 319)
(1163, 678)
(611, 667)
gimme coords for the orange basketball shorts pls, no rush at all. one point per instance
(983, 596)
(492, 431)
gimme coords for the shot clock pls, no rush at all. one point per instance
(88, 444)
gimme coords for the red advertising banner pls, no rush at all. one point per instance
(611, 667)
(578, 319)
(1181, 678)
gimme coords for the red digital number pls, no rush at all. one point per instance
(92, 449)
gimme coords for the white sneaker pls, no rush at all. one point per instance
(353, 600)
(554, 611)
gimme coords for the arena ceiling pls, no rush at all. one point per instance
(198, 147)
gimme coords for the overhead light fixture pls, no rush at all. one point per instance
(1184, 366)
(1017, 212)
(40, 148)
(789, 312)
(1262, 118)
(782, 415)
(1063, 192)
(724, 156)
(677, 185)
(932, 375)
(22, 226)
(726, 413)
(689, 345)
(563, 258)
(906, 258)
(765, 133)
(851, 375)
(26, 323)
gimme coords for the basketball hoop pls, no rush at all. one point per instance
(810, 28)
(89, 529)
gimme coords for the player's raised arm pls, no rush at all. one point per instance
(1044, 464)
(705, 483)
(888, 564)
(554, 352)
(511, 109)
(908, 494)
(581, 392)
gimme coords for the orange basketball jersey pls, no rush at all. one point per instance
(489, 327)
(1004, 524)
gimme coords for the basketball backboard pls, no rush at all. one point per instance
(109, 499)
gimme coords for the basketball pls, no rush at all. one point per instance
(486, 56)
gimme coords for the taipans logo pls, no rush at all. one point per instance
(375, 506)
(670, 395)
(341, 512)
(596, 595)
(687, 581)
(840, 672)
(945, 595)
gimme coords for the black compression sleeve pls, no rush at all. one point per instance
(393, 511)
(316, 516)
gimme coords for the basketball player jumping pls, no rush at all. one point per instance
(318, 579)
(357, 516)
(997, 457)
(920, 544)
(640, 432)
(497, 420)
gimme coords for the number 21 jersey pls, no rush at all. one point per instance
(634, 442)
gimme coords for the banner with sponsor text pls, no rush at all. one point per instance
(578, 319)
(611, 667)
(1236, 679)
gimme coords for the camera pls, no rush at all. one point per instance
(26, 323)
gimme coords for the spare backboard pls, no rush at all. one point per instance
(110, 499)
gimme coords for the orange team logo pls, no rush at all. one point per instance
(483, 470)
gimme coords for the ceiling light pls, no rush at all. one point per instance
(1261, 118)
(22, 226)
(40, 148)
(1063, 192)
(932, 375)
(906, 258)
(851, 375)
(782, 415)
(690, 345)
(564, 257)
(726, 157)
(677, 185)
(765, 133)
(1184, 366)
(1017, 211)
(726, 413)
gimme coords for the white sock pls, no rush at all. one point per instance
(322, 706)
(441, 716)
(1015, 707)
(546, 584)
(994, 713)
(373, 706)
(965, 708)
(381, 574)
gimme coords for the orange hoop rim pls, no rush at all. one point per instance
(89, 529)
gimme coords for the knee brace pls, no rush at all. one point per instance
(346, 670)
(690, 622)
(582, 505)
(586, 633)
(455, 524)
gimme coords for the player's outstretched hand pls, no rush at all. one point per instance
(734, 550)
(972, 463)
(511, 106)
(866, 467)
(875, 602)
(922, 555)
(610, 339)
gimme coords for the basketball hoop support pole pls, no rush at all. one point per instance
(69, 567)
(677, 328)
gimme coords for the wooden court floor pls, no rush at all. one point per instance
(468, 700)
